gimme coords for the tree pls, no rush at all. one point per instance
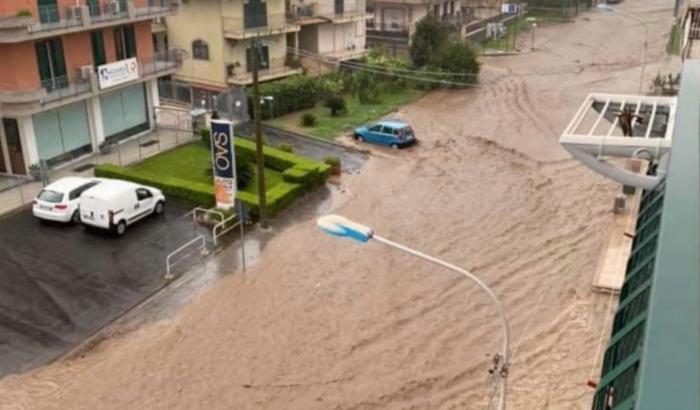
(430, 35)
(456, 56)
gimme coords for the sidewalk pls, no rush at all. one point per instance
(128, 152)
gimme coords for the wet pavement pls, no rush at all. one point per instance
(60, 284)
(351, 159)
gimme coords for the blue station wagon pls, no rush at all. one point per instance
(393, 134)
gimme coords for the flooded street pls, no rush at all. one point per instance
(323, 323)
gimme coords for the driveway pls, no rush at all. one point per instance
(59, 284)
(351, 159)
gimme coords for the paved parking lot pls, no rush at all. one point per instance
(59, 284)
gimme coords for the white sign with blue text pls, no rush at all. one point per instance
(224, 163)
(509, 8)
(119, 72)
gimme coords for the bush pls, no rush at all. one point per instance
(23, 13)
(336, 104)
(285, 148)
(206, 136)
(290, 95)
(308, 120)
(457, 57)
(332, 161)
(189, 191)
(430, 35)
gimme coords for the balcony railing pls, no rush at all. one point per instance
(47, 20)
(277, 23)
(161, 62)
(277, 69)
(348, 11)
(81, 82)
(59, 88)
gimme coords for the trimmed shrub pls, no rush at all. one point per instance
(308, 120)
(23, 13)
(189, 191)
(336, 104)
(290, 95)
(285, 148)
(331, 160)
(206, 136)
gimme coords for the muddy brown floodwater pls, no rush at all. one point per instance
(320, 323)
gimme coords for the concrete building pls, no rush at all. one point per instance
(77, 74)
(334, 29)
(219, 36)
(220, 33)
(393, 22)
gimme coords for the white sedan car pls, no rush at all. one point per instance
(59, 201)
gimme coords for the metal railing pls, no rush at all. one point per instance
(154, 7)
(275, 23)
(275, 66)
(52, 18)
(349, 9)
(161, 62)
(222, 227)
(108, 10)
(201, 248)
(391, 27)
(58, 88)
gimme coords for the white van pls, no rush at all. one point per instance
(116, 204)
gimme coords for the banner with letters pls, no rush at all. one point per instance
(119, 72)
(224, 163)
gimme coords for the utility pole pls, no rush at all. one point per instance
(259, 157)
(677, 8)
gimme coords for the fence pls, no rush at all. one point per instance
(173, 127)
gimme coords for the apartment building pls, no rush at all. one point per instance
(76, 74)
(393, 22)
(333, 29)
(219, 36)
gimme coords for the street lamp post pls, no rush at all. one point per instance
(607, 8)
(339, 226)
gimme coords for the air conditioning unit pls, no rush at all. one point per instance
(115, 7)
(74, 13)
(86, 72)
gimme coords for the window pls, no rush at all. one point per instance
(200, 50)
(142, 194)
(50, 196)
(48, 11)
(52, 65)
(254, 14)
(376, 128)
(387, 130)
(75, 194)
(125, 42)
(263, 58)
(98, 48)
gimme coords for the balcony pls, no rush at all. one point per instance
(19, 99)
(277, 23)
(304, 14)
(49, 21)
(278, 69)
(351, 53)
(389, 30)
(347, 13)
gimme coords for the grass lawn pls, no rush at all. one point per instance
(328, 127)
(190, 162)
(675, 39)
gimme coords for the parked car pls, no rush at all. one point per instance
(59, 201)
(394, 134)
(116, 204)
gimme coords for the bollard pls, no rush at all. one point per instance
(619, 204)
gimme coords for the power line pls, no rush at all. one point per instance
(316, 57)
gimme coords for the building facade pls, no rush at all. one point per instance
(393, 22)
(330, 29)
(82, 73)
(220, 35)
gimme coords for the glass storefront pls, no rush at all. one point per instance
(62, 134)
(124, 113)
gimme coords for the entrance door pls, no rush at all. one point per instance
(14, 145)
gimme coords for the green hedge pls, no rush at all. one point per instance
(189, 191)
(300, 175)
(290, 94)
